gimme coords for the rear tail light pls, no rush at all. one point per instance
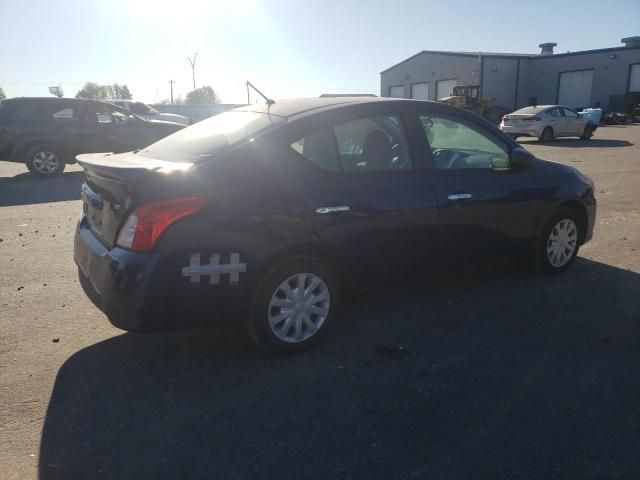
(146, 224)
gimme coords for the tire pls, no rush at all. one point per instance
(45, 160)
(279, 328)
(550, 260)
(588, 132)
(547, 135)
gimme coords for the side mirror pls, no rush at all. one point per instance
(520, 158)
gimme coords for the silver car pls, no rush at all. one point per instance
(547, 122)
(149, 113)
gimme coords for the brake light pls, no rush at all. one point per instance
(146, 224)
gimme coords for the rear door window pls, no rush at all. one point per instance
(370, 144)
(320, 149)
(63, 113)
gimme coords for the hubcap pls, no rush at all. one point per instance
(299, 307)
(45, 162)
(562, 242)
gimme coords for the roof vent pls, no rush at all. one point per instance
(631, 41)
(547, 48)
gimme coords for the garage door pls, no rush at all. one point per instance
(420, 91)
(444, 88)
(396, 92)
(634, 78)
(575, 88)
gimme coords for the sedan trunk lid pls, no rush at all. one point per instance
(108, 190)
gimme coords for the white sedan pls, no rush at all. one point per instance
(547, 122)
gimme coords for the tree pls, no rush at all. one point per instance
(93, 91)
(114, 91)
(2, 95)
(201, 96)
(56, 91)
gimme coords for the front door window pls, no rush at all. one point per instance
(458, 146)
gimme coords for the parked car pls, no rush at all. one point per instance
(149, 113)
(47, 133)
(270, 213)
(547, 122)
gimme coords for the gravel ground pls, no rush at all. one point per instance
(507, 374)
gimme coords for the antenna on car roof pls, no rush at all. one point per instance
(267, 99)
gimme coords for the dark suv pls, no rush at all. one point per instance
(47, 133)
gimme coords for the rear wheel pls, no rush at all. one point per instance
(45, 160)
(294, 306)
(560, 241)
(588, 132)
(547, 135)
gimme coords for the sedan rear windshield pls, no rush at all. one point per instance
(529, 110)
(205, 139)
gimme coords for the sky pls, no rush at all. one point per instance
(288, 48)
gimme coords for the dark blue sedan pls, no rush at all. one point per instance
(267, 214)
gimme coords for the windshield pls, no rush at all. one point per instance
(140, 108)
(204, 139)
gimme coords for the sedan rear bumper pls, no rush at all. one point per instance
(521, 131)
(138, 292)
(115, 280)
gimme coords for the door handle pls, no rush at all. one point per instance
(336, 209)
(459, 196)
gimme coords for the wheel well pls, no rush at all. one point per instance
(320, 254)
(581, 210)
(26, 147)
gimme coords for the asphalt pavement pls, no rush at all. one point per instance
(491, 372)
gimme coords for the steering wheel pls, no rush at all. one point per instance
(448, 159)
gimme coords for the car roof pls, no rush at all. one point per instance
(537, 108)
(298, 106)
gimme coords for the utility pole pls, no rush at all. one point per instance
(171, 82)
(193, 68)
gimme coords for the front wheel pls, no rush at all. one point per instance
(294, 306)
(547, 135)
(559, 243)
(45, 160)
(588, 132)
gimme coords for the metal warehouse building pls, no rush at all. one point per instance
(609, 77)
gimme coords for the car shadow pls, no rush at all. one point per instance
(26, 188)
(484, 373)
(577, 143)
